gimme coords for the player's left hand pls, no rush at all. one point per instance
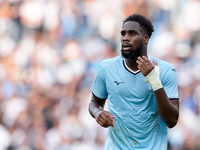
(145, 65)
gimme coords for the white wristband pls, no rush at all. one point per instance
(153, 78)
(96, 110)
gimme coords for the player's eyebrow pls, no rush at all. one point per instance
(130, 31)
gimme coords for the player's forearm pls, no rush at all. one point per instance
(96, 105)
(167, 110)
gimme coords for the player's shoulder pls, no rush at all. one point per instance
(166, 68)
(162, 64)
(111, 61)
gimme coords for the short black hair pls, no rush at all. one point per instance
(143, 21)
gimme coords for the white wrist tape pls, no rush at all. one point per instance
(96, 111)
(153, 78)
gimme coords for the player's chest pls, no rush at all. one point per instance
(128, 85)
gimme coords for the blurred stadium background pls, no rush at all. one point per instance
(49, 54)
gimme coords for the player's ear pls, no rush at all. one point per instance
(146, 39)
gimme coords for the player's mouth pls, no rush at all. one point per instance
(126, 47)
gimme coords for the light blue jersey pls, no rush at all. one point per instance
(131, 100)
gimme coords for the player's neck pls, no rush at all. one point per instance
(131, 64)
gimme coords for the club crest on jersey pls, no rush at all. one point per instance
(149, 87)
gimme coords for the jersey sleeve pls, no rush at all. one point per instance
(99, 86)
(170, 83)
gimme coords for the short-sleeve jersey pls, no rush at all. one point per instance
(138, 125)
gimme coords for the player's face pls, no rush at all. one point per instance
(132, 40)
(133, 54)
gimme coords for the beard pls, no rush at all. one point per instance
(133, 54)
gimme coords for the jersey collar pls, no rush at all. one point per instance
(131, 71)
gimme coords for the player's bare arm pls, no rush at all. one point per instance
(168, 109)
(103, 117)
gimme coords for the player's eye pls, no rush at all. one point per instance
(123, 33)
(132, 33)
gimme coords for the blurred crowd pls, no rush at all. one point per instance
(49, 54)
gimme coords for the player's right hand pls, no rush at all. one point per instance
(104, 118)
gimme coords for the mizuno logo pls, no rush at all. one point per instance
(118, 82)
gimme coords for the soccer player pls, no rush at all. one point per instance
(141, 90)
